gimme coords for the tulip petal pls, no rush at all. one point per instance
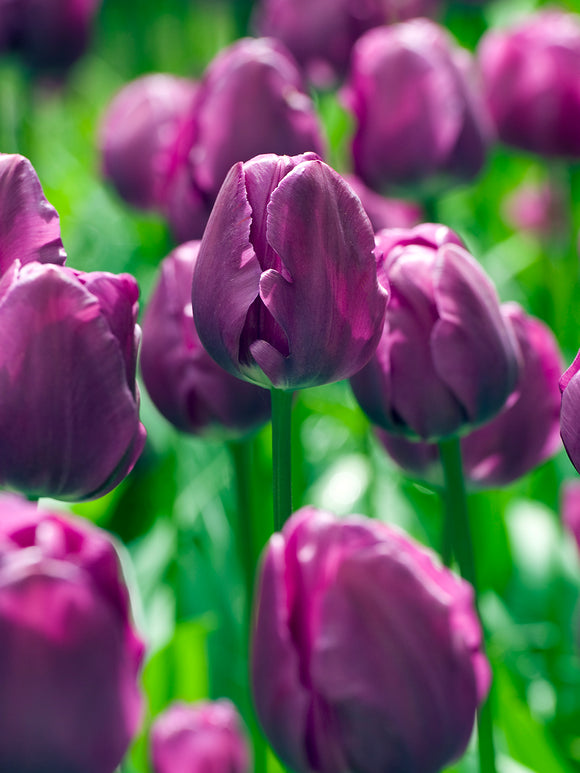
(332, 310)
(569, 424)
(30, 225)
(474, 351)
(231, 285)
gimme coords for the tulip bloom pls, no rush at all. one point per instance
(145, 138)
(285, 290)
(188, 387)
(447, 360)
(524, 433)
(321, 33)
(569, 424)
(385, 212)
(30, 226)
(69, 656)
(367, 654)
(418, 114)
(204, 737)
(530, 74)
(69, 407)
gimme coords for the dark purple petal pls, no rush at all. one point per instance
(569, 424)
(29, 225)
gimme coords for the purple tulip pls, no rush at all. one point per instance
(30, 228)
(384, 212)
(530, 72)
(418, 114)
(524, 433)
(203, 738)
(185, 383)
(69, 656)
(367, 654)
(321, 33)
(50, 35)
(569, 412)
(285, 289)
(538, 209)
(69, 406)
(145, 138)
(447, 360)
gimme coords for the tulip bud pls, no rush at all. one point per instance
(447, 360)
(385, 212)
(69, 406)
(523, 434)
(188, 387)
(321, 33)
(418, 114)
(69, 656)
(205, 738)
(51, 35)
(30, 226)
(569, 411)
(530, 74)
(367, 655)
(145, 138)
(285, 289)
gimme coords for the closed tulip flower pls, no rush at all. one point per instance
(367, 654)
(447, 360)
(69, 407)
(524, 433)
(30, 228)
(145, 138)
(321, 33)
(69, 655)
(419, 116)
(205, 737)
(285, 289)
(530, 73)
(569, 412)
(189, 388)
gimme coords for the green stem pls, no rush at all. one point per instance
(457, 517)
(281, 455)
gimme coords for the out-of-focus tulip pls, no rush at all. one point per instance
(530, 75)
(49, 35)
(285, 289)
(538, 209)
(384, 212)
(145, 138)
(251, 100)
(69, 407)
(30, 228)
(418, 113)
(321, 33)
(570, 411)
(523, 435)
(203, 738)
(185, 383)
(366, 653)
(447, 360)
(69, 657)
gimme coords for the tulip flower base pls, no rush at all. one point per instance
(459, 542)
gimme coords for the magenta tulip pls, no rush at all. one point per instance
(447, 360)
(570, 411)
(285, 289)
(321, 33)
(524, 433)
(530, 73)
(367, 654)
(145, 138)
(419, 116)
(30, 228)
(189, 388)
(69, 655)
(69, 407)
(385, 212)
(205, 737)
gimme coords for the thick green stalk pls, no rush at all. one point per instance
(457, 517)
(281, 455)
